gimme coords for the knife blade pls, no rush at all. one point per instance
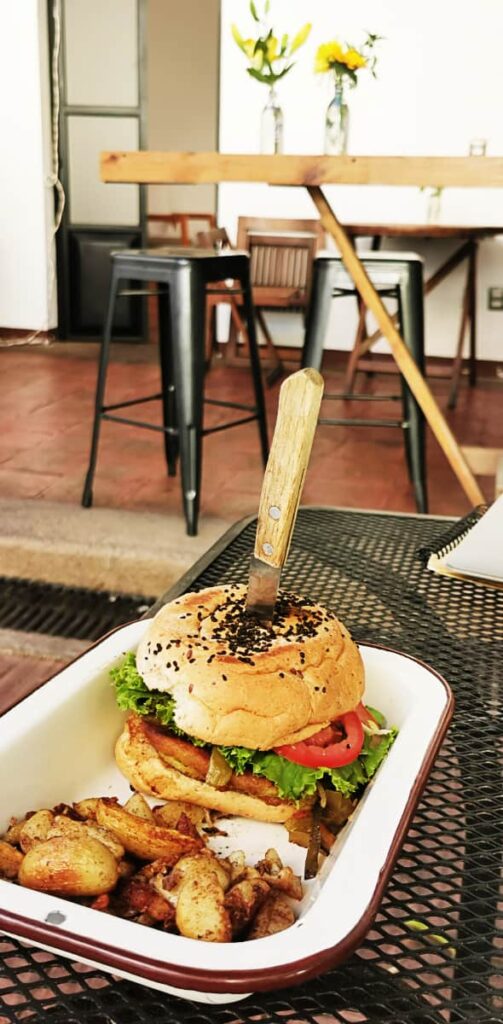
(298, 408)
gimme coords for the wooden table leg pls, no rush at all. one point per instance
(473, 314)
(458, 358)
(354, 356)
(401, 355)
(447, 268)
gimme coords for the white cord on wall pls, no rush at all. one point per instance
(52, 181)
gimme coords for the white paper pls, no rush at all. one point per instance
(480, 553)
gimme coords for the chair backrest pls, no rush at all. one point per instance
(214, 238)
(182, 223)
(281, 258)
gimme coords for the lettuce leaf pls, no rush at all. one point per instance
(374, 752)
(132, 695)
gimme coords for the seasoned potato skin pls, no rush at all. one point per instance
(67, 866)
(142, 838)
(10, 860)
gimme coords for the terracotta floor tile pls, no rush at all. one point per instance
(45, 433)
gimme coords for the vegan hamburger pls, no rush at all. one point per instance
(245, 717)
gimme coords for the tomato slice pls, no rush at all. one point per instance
(327, 749)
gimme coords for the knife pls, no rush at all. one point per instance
(299, 405)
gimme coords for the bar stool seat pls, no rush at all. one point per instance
(397, 275)
(182, 274)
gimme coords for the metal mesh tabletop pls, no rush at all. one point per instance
(435, 951)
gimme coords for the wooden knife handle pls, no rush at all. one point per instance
(299, 405)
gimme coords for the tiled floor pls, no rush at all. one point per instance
(45, 425)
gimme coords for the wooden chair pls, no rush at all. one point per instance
(281, 255)
(182, 223)
(223, 293)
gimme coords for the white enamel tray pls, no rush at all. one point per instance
(57, 745)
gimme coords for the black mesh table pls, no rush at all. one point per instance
(435, 951)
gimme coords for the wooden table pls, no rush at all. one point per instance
(146, 167)
(470, 235)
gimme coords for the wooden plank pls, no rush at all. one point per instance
(401, 354)
(483, 461)
(148, 167)
(396, 230)
(499, 478)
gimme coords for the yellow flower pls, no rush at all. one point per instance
(272, 49)
(352, 59)
(248, 47)
(326, 55)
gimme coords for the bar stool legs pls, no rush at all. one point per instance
(317, 316)
(187, 312)
(327, 282)
(87, 496)
(182, 278)
(171, 445)
(251, 331)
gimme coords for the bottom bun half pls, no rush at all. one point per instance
(139, 761)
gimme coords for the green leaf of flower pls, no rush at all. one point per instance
(253, 10)
(268, 79)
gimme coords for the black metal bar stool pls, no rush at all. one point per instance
(394, 275)
(182, 274)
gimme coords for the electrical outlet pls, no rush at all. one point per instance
(495, 298)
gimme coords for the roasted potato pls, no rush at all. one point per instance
(272, 870)
(140, 899)
(86, 809)
(200, 910)
(199, 865)
(69, 866)
(243, 900)
(170, 813)
(144, 839)
(64, 826)
(13, 833)
(273, 916)
(139, 806)
(10, 860)
(35, 829)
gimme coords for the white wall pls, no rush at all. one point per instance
(182, 89)
(439, 86)
(26, 203)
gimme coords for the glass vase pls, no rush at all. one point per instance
(271, 125)
(337, 122)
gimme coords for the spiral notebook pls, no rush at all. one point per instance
(473, 548)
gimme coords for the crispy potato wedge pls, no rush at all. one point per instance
(69, 866)
(10, 860)
(35, 829)
(200, 910)
(169, 814)
(243, 900)
(144, 839)
(273, 916)
(139, 806)
(272, 870)
(64, 826)
(86, 809)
